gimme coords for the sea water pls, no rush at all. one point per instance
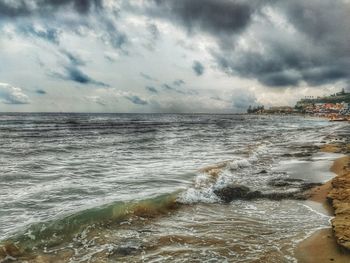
(131, 187)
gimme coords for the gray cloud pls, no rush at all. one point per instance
(73, 59)
(73, 73)
(136, 100)
(147, 77)
(241, 99)
(8, 9)
(96, 99)
(198, 68)
(167, 87)
(81, 6)
(213, 16)
(113, 35)
(12, 95)
(285, 43)
(25, 8)
(151, 89)
(154, 36)
(310, 47)
(40, 92)
(48, 34)
(178, 82)
(109, 58)
(103, 26)
(153, 30)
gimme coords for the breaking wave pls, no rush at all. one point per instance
(62, 231)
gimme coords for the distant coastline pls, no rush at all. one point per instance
(335, 107)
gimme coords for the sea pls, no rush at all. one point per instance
(143, 187)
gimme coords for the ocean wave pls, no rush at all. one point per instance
(59, 232)
(210, 179)
(204, 189)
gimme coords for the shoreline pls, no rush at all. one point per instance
(325, 245)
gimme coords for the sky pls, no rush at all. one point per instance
(170, 56)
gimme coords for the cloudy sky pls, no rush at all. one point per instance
(170, 55)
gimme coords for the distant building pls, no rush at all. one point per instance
(338, 102)
(334, 106)
(281, 109)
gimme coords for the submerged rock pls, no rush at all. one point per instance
(282, 182)
(234, 191)
(126, 250)
(254, 195)
(300, 184)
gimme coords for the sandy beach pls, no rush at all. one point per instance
(327, 245)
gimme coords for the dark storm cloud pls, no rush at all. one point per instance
(18, 8)
(151, 89)
(198, 68)
(214, 16)
(307, 43)
(317, 52)
(81, 6)
(136, 100)
(314, 50)
(10, 10)
(267, 69)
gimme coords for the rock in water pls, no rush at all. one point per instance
(232, 192)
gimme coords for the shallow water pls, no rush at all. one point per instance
(106, 187)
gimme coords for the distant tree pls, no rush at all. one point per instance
(255, 109)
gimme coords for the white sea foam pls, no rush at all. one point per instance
(204, 185)
(238, 164)
(198, 195)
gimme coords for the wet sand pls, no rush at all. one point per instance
(322, 245)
